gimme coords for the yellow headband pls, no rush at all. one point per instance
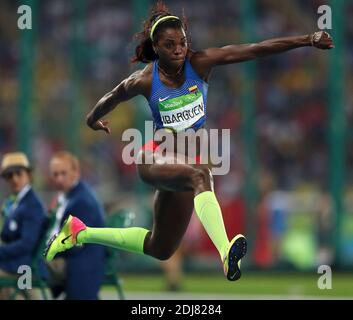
(158, 22)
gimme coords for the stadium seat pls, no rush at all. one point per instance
(37, 280)
(120, 219)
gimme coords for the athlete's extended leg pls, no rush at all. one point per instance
(172, 179)
(172, 213)
(181, 177)
(75, 232)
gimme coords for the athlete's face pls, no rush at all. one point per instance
(63, 174)
(172, 46)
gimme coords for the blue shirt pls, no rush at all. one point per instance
(24, 226)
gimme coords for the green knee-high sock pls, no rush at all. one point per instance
(209, 212)
(129, 239)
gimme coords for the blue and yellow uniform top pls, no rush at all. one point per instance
(178, 108)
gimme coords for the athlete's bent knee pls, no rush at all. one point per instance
(202, 180)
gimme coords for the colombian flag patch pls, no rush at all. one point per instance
(193, 89)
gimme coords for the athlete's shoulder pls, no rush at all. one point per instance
(146, 73)
(198, 57)
(197, 60)
(139, 81)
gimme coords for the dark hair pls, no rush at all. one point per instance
(144, 51)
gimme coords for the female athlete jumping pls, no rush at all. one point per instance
(175, 83)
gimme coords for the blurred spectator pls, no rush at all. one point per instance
(25, 220)
(173, 268)
(272, 221)
(324, 229)
(78, 272)
(264, 252)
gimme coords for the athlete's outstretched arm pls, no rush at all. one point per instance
(126, 90)
(237, 53)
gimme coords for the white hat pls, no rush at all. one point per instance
(14, 161)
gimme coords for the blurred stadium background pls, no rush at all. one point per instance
(290, 189)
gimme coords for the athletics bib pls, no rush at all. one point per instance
(182, 112)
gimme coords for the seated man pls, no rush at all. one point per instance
(24, 219)
(79, 272)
